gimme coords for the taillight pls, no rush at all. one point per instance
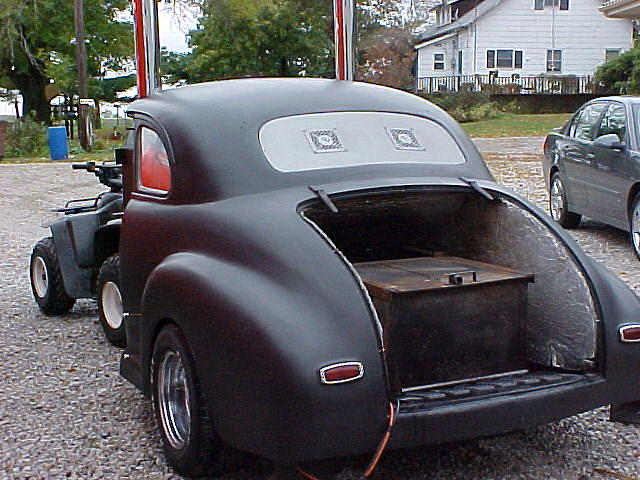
(630, 333)
(341, 372)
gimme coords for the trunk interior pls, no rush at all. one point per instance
(469, 292)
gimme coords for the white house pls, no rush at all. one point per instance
(520, 38)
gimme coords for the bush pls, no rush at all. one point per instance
(26, 138)
(467, 106)
(621, 74)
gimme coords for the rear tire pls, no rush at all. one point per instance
(46, 279)
(634, 224)
(189, 442)
(110, 301)
(558, 204)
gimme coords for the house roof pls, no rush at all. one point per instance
(462, 22)
(621, 8)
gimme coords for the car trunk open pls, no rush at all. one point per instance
(464, 288)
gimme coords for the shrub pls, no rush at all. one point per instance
(467, 106)
(26, 138)
(621, 74)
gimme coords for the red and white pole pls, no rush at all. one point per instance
(147, 46)
(344, 15)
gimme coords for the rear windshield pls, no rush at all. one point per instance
(347, 139)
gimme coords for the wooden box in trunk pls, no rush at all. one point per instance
(447, 318)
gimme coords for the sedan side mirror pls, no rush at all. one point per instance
(611, 141)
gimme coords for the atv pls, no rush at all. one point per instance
(80, 258)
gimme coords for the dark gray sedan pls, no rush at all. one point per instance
(592, 166)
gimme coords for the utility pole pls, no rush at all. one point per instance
(84, 113)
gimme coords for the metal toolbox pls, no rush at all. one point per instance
(448, 318)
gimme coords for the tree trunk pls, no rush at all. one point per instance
(31, 85)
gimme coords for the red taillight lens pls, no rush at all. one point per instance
(630, 333)
(341, 372)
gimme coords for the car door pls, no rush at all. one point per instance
(612, 172)
(574, 153)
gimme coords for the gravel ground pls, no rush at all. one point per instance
(66, 413)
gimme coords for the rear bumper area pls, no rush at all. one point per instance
(435, 419)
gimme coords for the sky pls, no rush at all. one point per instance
(175, 23)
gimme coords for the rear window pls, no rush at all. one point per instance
(347, 139)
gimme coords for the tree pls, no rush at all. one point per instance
(37, 45)
(236, 38)
(621, 74)
(387, 57)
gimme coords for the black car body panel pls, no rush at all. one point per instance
(266, 299)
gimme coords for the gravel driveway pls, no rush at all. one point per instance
(66, 413)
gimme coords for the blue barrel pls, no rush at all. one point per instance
(58, 143)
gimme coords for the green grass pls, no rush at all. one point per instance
(512, 125)
(103, 153)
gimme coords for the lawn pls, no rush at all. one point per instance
(103, 153)
(512, 125)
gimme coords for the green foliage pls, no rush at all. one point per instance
(106, 89)
(621, 74)
(467, 106)
(37, 44)
(26, 138)
(266, 38)
(173, 66)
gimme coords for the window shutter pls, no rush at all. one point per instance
(491, 58)
(518, 59)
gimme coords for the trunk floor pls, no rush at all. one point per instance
(435, 396)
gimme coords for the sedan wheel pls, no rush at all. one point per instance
(558, 204)
(635, 226)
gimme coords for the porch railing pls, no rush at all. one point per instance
(510, 85)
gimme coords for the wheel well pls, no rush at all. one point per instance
(553, 171)
(632, 195)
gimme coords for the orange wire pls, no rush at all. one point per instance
(383, 443)
(379, 451)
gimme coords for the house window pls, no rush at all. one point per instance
(504, 58)
(554, 60)
(611, 53)
(491, 59)
(541, 4)
(438, 61)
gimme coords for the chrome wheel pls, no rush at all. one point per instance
(635, 227)
(112, 305)
(40, 277)
(173, 399)
(556, 200)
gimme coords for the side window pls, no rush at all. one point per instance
(586, 123)
(614, 121)
(153, 163)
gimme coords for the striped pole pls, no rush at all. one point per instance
(344, 16)
(147, 46)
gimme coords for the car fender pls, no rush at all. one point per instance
(258, 347)
(73, 237)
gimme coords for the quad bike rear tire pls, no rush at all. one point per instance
(47, 284)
